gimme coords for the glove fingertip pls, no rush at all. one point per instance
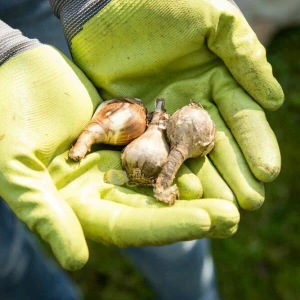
(274, 102)
(227, 233)
(72, 253)
(267, 172)
(75, 263)
(250, 204)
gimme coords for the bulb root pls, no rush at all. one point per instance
(167, 195)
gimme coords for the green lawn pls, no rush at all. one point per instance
(262, 260)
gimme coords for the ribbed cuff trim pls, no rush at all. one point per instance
(12, 43)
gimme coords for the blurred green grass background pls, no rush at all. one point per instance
(262, 260)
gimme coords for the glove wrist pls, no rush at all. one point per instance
(74, 14)
(12, 43)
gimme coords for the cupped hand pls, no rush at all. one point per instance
(46, 101)
(201, 50)
(129, 215)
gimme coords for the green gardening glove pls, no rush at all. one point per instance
(46, 101)
(182, 50)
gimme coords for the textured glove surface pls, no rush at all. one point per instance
(45, 103)
(182, 50)
(131, 216)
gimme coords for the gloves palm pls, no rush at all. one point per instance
(182, 50)
(45, 103)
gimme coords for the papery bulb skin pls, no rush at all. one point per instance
(143, 158)
(192, 131)
(115, 122)
(122, 119)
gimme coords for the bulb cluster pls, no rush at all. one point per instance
(154, 151)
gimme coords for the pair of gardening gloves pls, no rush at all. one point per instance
(181, 50)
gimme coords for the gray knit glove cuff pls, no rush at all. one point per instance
(12, 43)
(74, 14)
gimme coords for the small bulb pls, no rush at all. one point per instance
(143, 158)
(115, 122)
